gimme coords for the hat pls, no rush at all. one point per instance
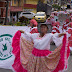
(34, 22)
(48, 25)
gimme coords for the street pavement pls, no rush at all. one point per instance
(52, 48)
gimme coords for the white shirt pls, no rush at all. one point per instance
(44, 42)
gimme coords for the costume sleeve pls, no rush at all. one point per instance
(57, 40)
(29, 36)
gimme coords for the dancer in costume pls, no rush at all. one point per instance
(33, 29)
(35, 55)
(65, 25)
(70, 36)
(55, 28)
(71, 18)
(33, 26)
(50, 21)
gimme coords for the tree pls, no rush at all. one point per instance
(23, 19)
(55, 6)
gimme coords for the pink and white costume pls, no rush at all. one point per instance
(34, 30)
(70, 36)
(50, 21)
(56, 27)
(36, 57)
(66, 25)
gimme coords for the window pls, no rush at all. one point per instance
(26, 13)
(15, 1)
(40, 14)
(24, 1)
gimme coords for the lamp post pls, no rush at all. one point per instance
(6, 17)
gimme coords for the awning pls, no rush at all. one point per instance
(5, 0)
(16, 9)
(30, 6)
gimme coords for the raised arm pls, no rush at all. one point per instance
(57, 38)
(62, 34)
(27, 34)
(21, 31)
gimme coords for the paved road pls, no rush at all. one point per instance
(52, 48)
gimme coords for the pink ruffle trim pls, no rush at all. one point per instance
(40, 53)
(16, 51)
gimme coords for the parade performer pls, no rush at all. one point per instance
(70, 36)
(65, 25)
(52, 19)
(33, 26)
(55, 16)
(35, 55)
(33, 29)
(48, 21)
(55, 28)
(71, 18)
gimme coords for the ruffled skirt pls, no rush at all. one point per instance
(30, 59)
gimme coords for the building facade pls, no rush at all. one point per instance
(31, 5)
(17, 7)
(3, 4)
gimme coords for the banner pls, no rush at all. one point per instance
(6, 35)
